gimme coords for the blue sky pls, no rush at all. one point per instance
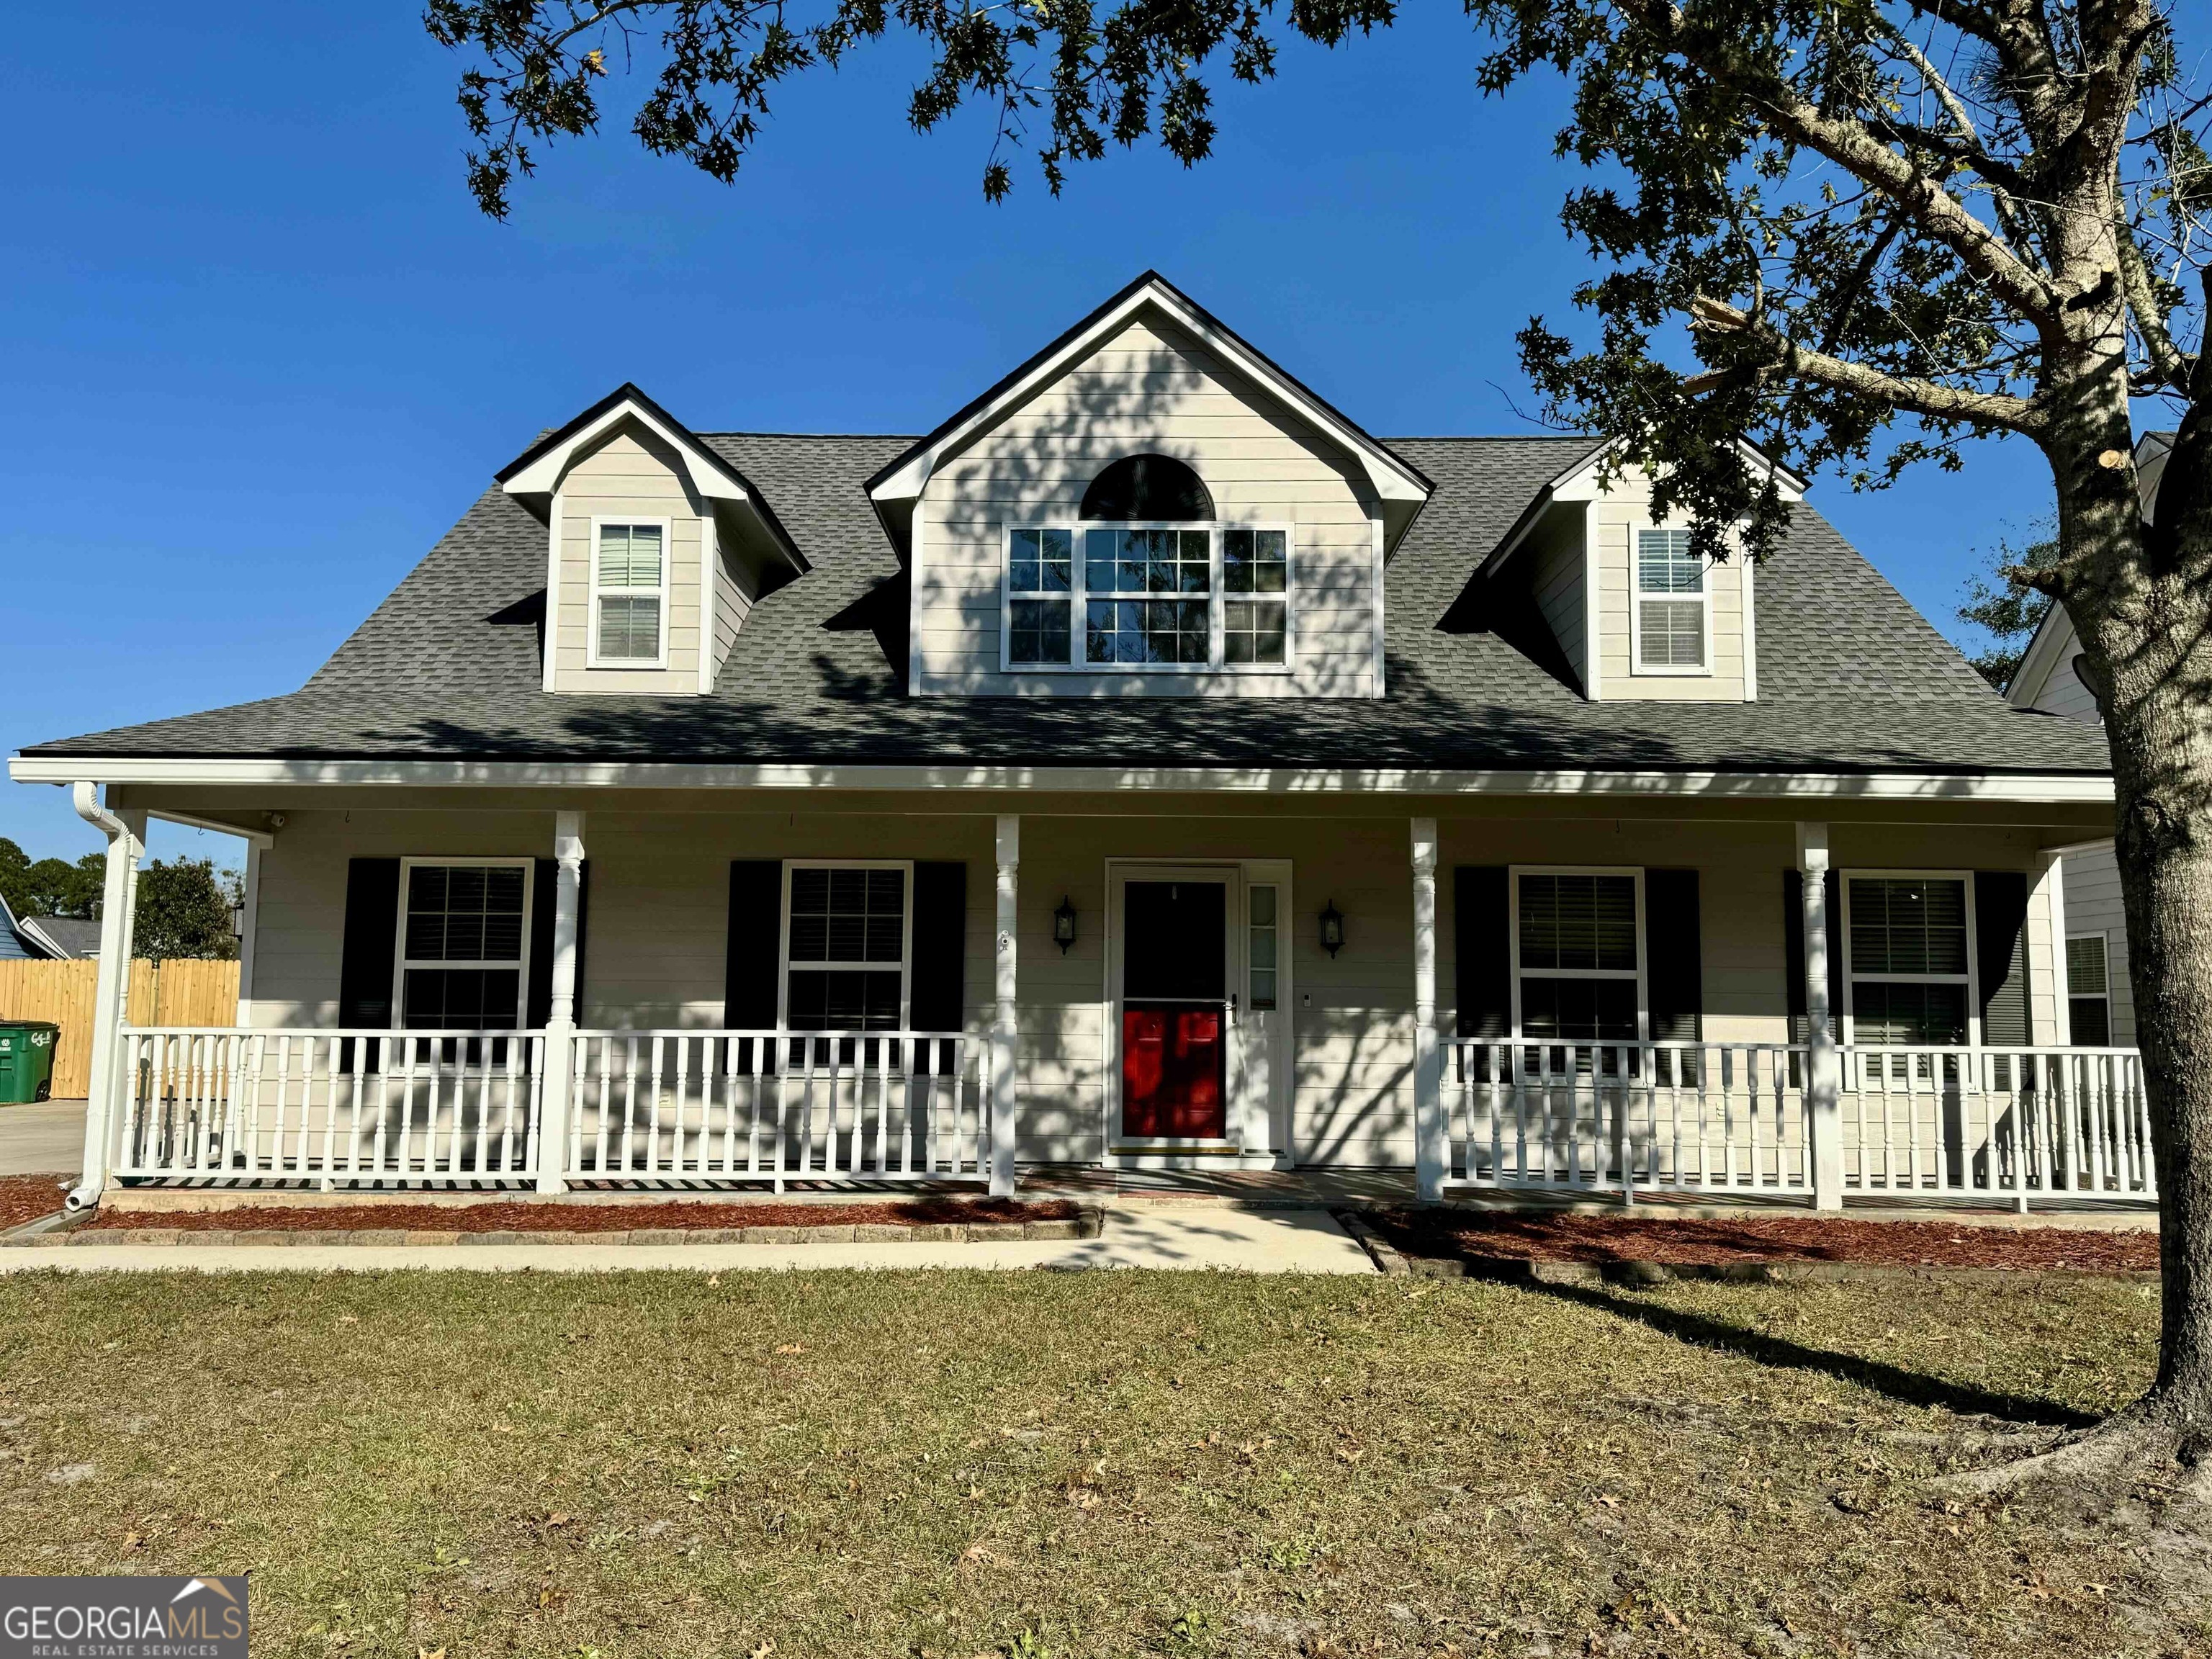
(264, 350)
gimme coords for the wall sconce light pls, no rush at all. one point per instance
(1332, 929)
(1063, 925)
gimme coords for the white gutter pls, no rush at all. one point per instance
(120, 893)
(2080, 788)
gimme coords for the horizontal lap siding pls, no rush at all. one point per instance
(2092, 906)
(630, 472)
(656, 951)
(1616, 520)
(1148, 393)
(1559, 581)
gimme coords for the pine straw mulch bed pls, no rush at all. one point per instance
(26, 1198)
(526, 1217)
(1600, 1240)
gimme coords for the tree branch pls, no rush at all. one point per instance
(1786, 357)
(1853, 146)
(2168, 363)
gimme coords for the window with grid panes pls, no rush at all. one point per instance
(846, 956)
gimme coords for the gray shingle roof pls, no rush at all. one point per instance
(1851, 678)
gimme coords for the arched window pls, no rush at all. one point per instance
(1148, 489)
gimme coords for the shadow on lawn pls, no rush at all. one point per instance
(1908, 1386)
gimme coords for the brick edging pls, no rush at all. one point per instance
(1089, 1224)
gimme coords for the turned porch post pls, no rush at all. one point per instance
(1823, 1123)
(1004, 1097)
(561, 1020)
(1431, 1150)
(118, 904)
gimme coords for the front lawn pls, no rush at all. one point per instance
(958, 1463)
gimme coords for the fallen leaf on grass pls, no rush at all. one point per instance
(791, 1347)
(347, 1319)
(762, 1651)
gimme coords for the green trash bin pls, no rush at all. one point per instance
(26, 1060)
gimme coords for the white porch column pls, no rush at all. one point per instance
(249, 924)
(1005, 1109)
(126, 845)
(561, 1020)
(1431, 1154)
(1823, 1124)
(2049, 1023)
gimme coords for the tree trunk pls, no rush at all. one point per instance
(2141, 596)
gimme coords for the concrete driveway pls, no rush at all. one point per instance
(45, 1138)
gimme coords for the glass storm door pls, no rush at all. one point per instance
(1175, 1010)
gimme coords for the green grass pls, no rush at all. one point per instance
(963, 1463)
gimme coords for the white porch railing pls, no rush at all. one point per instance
(667, 1106)
(365, 1108)
(384, 1108)
(2007, 1122)
(1625, 1117)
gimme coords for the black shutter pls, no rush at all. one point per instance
(1483, 951)
(544, 900)
(1793, 946)
(749, 987)
(1672, 957)
(2001, 955)
(937, 1000)
(372, 934)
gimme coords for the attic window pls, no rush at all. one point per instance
(1151, 488)
(629, 594)
(1673, 606)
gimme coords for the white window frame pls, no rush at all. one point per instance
(785, 965)
(1078, 597)
(401, 961)
(1637, 594)
(1513, 874)
(1971, 979)
(2105, 948)
(600, 591)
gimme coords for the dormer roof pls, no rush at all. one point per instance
(1398, 485)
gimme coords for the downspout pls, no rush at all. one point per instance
(115, 931)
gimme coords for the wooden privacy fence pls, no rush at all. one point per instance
(181, 991)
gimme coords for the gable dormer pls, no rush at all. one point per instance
(1148, 506)
(657, 548)
(1638, 617)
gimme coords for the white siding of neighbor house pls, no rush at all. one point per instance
(1558, 573)
(1149, 390)
(2063, 693)
(655, 950)
(629, 472)
(1615, 519)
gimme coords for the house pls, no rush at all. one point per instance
(44, 939)
(2100, 1000)
(60, 938)
(1147, 767)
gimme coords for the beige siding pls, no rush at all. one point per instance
(2064, 693)
(1557, 570)
(656, 949)
(1149, 390)
(2092, 906)
(1615, 520)
(629, 473)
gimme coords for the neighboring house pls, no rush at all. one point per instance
(2102, 997)
(1146, 767)
(61, 938)
(42, 938)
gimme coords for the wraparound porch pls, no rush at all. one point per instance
(1374, 998)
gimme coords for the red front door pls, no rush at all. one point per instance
(1174, 1010)
(1172, 1067)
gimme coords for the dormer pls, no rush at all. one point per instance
(1638, 616)
(657, 548)
(1148, 506)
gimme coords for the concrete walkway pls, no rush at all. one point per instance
(1274, 1240)
(44, 1138)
